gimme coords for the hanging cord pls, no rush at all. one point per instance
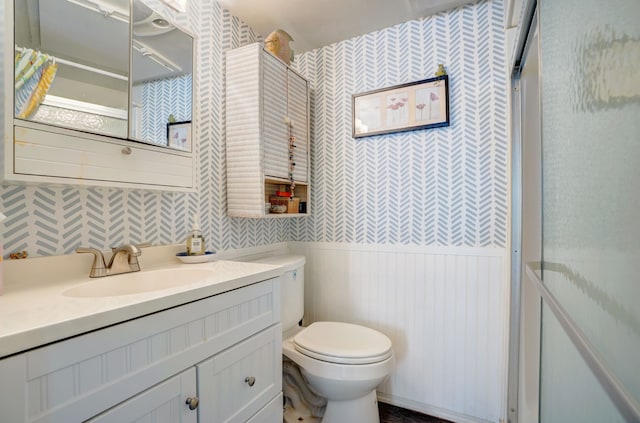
(292, 163)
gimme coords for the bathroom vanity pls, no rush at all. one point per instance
(209, 351)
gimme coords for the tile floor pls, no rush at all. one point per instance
(388, 414)
(392, 414)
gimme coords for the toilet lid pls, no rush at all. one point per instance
(343, 343)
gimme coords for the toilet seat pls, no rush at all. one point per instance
(343, 343)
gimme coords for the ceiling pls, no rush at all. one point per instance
(314, 24)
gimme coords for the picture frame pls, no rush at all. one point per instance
(179, 135)
(407, 107)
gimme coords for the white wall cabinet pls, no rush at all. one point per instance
(267, 103)
(145, 369)
(39, 154)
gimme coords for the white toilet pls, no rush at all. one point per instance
(342, 362)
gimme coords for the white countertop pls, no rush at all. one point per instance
(36, 312)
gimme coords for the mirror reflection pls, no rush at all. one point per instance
(72, 64)
(72, 70)
(162, 80)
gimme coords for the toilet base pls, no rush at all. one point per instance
(359, 410)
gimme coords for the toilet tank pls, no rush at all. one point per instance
(291, 289)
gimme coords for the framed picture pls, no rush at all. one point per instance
(407, 107)
(179, 135)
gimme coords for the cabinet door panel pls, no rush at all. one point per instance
(245, 193)
(163, 403)
(274, 106)
(225, 390)
(297, 109)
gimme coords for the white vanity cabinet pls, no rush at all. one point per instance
(164, 402)
(235, 384)
(266, 103)
(222, 352)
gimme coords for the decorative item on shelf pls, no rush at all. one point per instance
(284, 204)
(278, 209)
(278, 201)
(294, 205)
(277, 43)
(18, 255)
(441, 71)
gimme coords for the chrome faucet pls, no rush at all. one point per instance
(124, 259)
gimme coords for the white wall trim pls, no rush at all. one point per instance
(407, 249)
(446, 310)
(431, 410)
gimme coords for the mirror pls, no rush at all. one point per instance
(73, 61)
(162, 80)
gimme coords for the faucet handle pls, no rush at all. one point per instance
(98, 268)
(124, 259)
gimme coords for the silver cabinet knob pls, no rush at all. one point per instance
(192, 402)
(250, 380)
(126, 151)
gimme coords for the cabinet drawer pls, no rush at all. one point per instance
(225, 387)
(84, 161)
(270, 413)
(165, 402)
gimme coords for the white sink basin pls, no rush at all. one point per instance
(138, 282)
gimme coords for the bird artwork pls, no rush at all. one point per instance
(277, 43)
(441, 70)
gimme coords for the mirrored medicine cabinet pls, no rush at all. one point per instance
(103, 94)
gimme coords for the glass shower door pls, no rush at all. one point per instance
(590, 53)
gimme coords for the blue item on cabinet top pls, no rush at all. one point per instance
(203, 258)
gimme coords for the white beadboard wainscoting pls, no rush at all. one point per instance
(445, 309)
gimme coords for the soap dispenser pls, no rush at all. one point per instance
(195, 239)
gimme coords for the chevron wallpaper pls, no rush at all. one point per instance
(173, 96)
(445, 186)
